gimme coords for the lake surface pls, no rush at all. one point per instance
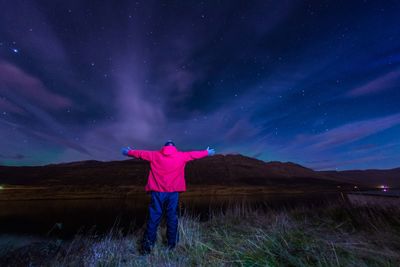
(65, 218)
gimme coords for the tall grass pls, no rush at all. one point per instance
(332, 235)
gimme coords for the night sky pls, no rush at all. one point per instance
(312, 82)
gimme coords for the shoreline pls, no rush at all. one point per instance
(131, 192)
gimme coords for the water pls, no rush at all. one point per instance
(380, 192)
(64, 218)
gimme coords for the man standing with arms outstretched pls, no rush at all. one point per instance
(166, 179)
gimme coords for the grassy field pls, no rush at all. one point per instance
(333, 235)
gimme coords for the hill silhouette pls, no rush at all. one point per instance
(227, 170)
(217, 170)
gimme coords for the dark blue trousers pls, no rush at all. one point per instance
(160, 202)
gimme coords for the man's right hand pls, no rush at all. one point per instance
(211, 151)
(125, 151)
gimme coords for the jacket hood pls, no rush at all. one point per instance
(168, 150)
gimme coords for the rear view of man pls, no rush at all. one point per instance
(166, 179)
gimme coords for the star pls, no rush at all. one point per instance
(15, 50)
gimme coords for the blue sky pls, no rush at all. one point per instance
(313, 82)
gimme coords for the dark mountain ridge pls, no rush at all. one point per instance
(217, 170)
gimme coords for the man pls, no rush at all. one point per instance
(166, 179)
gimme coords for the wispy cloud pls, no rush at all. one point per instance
(7, 106)
(382, 83)
(344, 134)
(16, 83)
(144, 119)
(333, 149)
(353, 131)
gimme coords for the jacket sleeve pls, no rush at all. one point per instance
(191, 155)
(141, 154)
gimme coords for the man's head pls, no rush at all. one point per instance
(169, 143)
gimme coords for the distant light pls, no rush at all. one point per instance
(355, 187)
(384, 188)
(1, 187)
(15, 50)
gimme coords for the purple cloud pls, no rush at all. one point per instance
(241, 130)
(8, 106)
(142, 118)
(379, 84)
(14, 82)
(342, 135)
(324, 145)
(353, 131)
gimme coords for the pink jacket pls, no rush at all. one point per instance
(167, 167)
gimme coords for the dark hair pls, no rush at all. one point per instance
(169, 143)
